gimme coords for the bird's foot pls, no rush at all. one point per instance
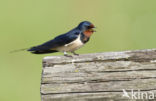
(67, 55)
(75, 53)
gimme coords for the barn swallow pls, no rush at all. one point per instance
(68, 42)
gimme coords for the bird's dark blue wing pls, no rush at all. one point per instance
(58, 41)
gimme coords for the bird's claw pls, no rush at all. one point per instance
(75, 54)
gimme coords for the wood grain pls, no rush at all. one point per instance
(99, 76)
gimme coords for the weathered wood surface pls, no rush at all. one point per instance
(100, 76)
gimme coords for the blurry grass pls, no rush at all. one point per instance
(121, 25)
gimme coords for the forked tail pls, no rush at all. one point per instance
(14, 51)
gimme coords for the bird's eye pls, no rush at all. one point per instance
(88, 27)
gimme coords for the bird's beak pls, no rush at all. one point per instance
(92, 27)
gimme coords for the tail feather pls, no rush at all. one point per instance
(44, 52)
(35, 50)
(40, 50)
(14, 51)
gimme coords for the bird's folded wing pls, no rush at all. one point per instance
(57, 42)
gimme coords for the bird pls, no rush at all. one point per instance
(67, 42)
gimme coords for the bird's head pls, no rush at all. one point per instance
(87, 28)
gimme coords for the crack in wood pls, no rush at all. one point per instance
(100, 81)
(128, 90)
(127, 70)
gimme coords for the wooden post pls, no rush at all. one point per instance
(111, 76)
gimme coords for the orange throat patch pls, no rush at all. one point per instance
(88, 33)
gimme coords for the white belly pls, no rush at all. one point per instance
(76, 44)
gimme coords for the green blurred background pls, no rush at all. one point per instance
(121, 25)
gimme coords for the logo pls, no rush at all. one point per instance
(138, 94)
